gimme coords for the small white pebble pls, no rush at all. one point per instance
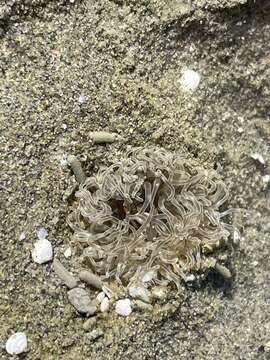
(16, 343)
(42, 233)
(22, 236)
(123, 307)
(64, 126)
(42, 251)
(100, 297)
(67, 253)
(148, 276)
(81, 99)
(258, 157)
(190, 80)
(104, 306)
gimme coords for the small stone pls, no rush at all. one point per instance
(123, 307)
(42, 233)
(81, 301)
(16, 344)
(159, 292)
(105, 305)
(143, 306)
(190, 80)
(90, 279)
(42, 251)
(140, 293)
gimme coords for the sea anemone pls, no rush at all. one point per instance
(153, 211)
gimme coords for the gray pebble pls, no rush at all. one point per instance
(67, 278)
(81, 301)
(90, 279)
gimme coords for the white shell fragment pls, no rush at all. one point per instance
(100, 297)
(148, 276)
(190, 80)
(105, 305)
(140, 293)
(42, 251)
(123, 307)
(16, 344)
(42, 233)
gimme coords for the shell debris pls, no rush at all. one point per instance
(16, 343)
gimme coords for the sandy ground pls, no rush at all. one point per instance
(68, 68)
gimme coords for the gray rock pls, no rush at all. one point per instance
(81, 301)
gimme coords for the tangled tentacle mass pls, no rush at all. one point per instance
(152, 211)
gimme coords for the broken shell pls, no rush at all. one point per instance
(100, 297)
(16, 344)
(104, 306)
